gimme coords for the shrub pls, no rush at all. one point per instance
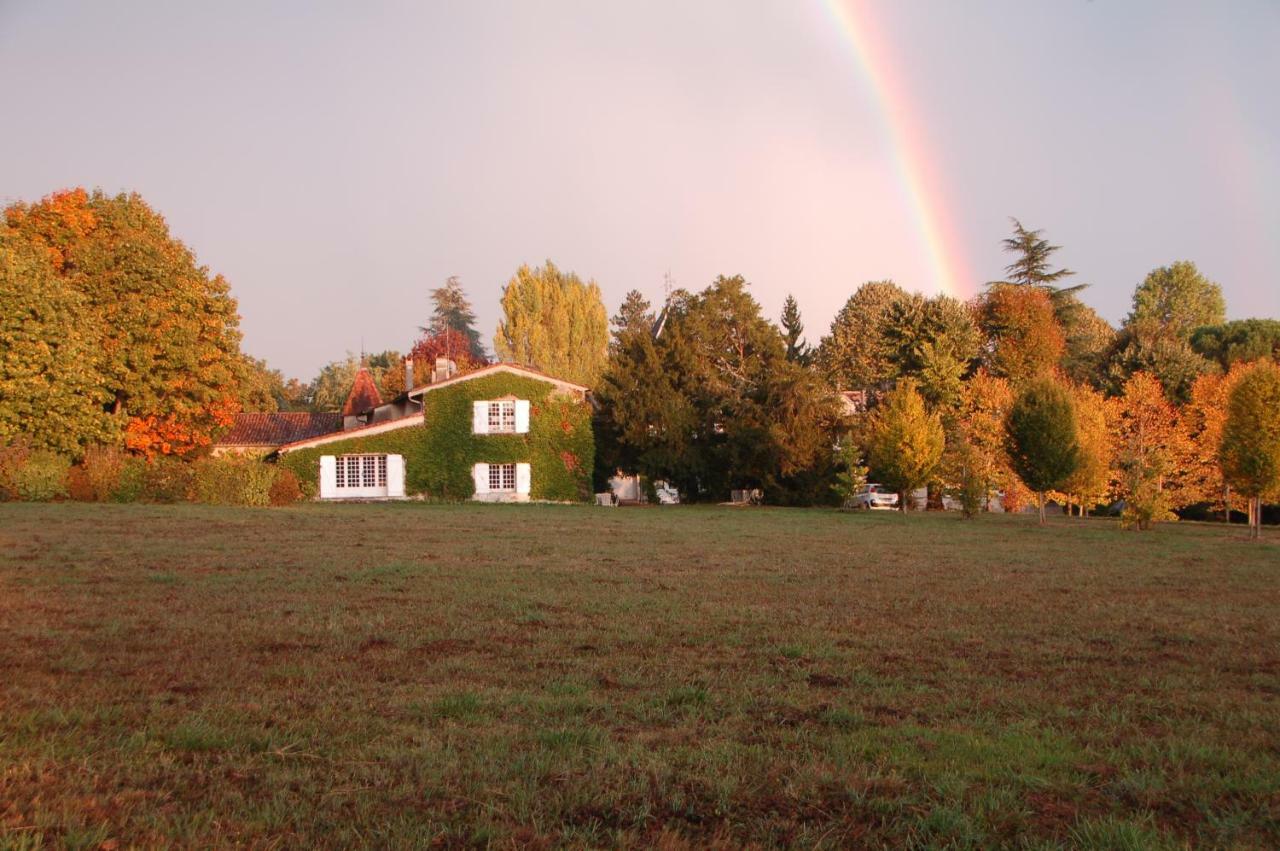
(79, 487)
(285, 489)
(103, 466)
(13, 458)
(43, 476)
(167, 479)
(132, 480)
(230, 480)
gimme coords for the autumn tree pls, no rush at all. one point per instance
(904, 442)
(1250, 449)
(554, 322)
(1203, 419)
(855, 354)
(798, 349)
(1041, 437)
(168, 357)
(50, 396)
(984, 404)
(1151, 454)
(1088, 485)
(1025, 340)
(451, 311)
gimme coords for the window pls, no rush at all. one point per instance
(361, 471)
(502, 477)
(502, 417)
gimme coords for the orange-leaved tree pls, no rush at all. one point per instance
(1203, 419)
(984, 403)
(1089, 484)
(1024, 336)
(1150, 469)
(168, 356)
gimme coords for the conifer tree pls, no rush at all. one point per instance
(798, 349)
(452, 311)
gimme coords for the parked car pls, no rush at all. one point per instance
(874, 496)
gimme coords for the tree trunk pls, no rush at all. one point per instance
(1041, 508)
(1226, 501)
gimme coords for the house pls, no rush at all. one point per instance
(502, 433)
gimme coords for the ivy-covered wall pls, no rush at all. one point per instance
(438, 456)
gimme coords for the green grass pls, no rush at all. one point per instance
(405, 674)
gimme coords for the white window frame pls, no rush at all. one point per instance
(502, 416)
(502, 478)
(361, 472)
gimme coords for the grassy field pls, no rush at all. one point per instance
(408, 674)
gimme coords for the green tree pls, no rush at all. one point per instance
(1240, 340)
(855, 354)
(50, 396)
(1178, 299)
(904, 442)
(798, 349)
(554, 322)
(330, 388)
(1250, 451)
(635, 314)
(451, 310)
(1040, 437)
(1032, 268)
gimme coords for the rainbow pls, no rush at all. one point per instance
(910, 145)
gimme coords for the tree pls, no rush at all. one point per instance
(984, 404)
(1032, 266)
(50, 397)
(168, 358)
(330, 388)
(554, 322)
(1178, 299)
(1241, 340)
(1152, 468)
(935, 341)
(1250, 449)
(855, 354)
(1025, 340)
(633, 315)
(452, 311)
(798, 349)
(1203, 419)
(1089, 483)
(1041, 437)
(1144, 346)
(904, 441)
(1089, 341)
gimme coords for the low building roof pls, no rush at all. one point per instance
(279, 428)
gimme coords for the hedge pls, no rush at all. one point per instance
(560, 446)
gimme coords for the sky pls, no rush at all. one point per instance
(336, 161)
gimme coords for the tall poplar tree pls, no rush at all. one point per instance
(554, 322)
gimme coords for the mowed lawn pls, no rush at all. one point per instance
(411, 674)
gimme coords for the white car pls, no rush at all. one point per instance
(874, 496)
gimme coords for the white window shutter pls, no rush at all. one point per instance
(522, 478)
(328, 476)
(395, 475)
(522, 416)
(481, 474)
(479, 417)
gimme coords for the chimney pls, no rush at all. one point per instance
(408, 373)
(444, 369)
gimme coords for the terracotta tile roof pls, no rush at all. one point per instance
(364, 395)
(498, 367)
(278, 429)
